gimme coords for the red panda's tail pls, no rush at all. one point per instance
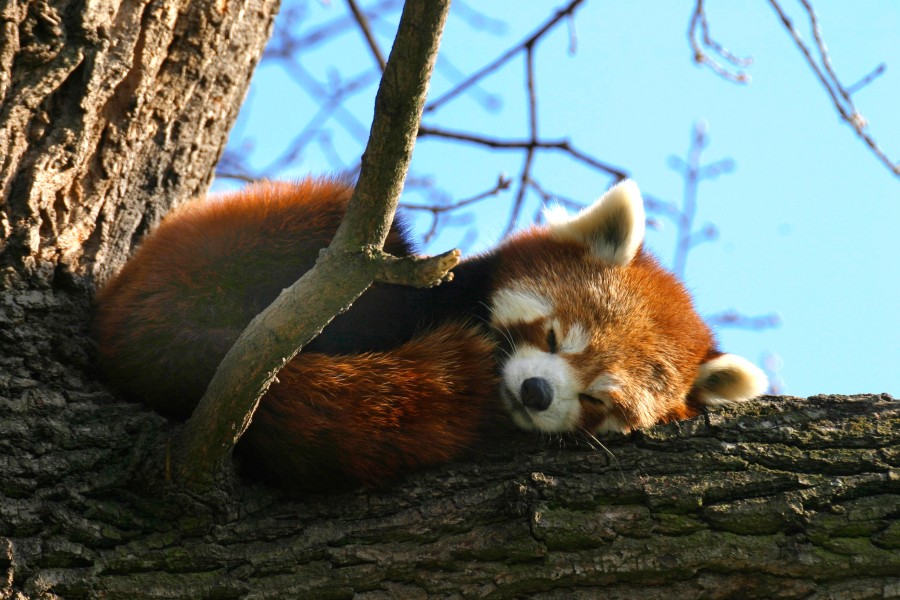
(339, 421)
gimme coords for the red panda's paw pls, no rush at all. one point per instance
(727, 379)
(365, 419)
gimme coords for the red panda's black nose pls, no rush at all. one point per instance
(537, 394)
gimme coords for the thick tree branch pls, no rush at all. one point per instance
(779, 498)
(345, 269)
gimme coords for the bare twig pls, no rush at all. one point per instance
(499, 144)
(488, 100)
(363, 22)
(333, 105)
(332, 95)
(477, 19)
(342, 114)
(437, 210)
(503, 58)
(286, 43)
(243, 177)
(824, 72)
(549, 197)
(693, 172)
(875, 74)
(525, 174)
(707, 43)
(735, 319)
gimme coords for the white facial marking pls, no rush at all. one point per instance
(510, 306)
(575, 340)
(564, 411)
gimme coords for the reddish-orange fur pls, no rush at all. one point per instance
(410, 378)
(633, 332)
(367, 418)
(172, 313)
(180, 305)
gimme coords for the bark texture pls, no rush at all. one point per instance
(111, 112)
(782, 498)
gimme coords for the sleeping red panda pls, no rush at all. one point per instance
(570, 326)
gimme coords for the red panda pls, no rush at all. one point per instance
(571, 327)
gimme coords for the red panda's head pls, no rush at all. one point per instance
(596, 335)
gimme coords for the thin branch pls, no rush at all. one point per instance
(690, 170)
(875, 74)
(477, 19)
(520, 193)
(659, 206)
(332, 100)
(499, 144)
(532, 93)
(284, 43)
(419, 271)
(840, 96)
(548, 197)
(342, 114)
(707, 234)
(363, 23)
(737, 320)
(503, 58)
(502, 184)
(489, 101)
(331, 105)
(525, 174)
(693, 172)
(706, 42)
(437, 210)
(343, 272)
(237, 176)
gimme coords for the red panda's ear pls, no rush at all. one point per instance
(612, 227)
(726, 379)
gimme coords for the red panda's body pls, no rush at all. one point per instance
(587, 332)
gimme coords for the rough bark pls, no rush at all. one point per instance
(782, 498)
(110, 113)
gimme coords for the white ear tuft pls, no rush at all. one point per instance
(612, 227)
(727, 379)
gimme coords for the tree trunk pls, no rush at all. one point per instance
(111, 113)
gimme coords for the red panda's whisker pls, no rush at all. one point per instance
(592, 438)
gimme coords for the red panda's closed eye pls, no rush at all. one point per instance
(551, 341)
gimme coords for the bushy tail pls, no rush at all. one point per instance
(339, 421)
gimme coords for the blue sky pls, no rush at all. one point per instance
(808, 220)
